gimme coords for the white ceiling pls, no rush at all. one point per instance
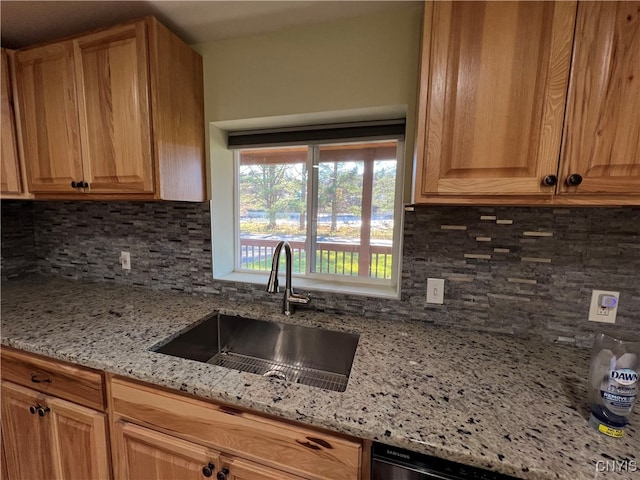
(29, 22)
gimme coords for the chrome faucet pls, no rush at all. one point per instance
(291, 299)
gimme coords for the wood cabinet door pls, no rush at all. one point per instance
(142, 453)
(492, 97)
(79, 441)
(10, 178)
(25, 437)
(49, 117)
(240, 469)
(113, 95)
(602, 126)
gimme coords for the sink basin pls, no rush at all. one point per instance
(306, 355)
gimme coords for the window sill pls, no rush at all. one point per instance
(345, 288)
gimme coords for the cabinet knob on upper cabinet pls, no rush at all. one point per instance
(43, 411)
(208, 469)
(34, 409)
(74, 184)
(550, 181)
(574, 180)
(222, 474)
(84, 185)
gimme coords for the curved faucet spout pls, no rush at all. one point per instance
(272, 284)
(290, 298)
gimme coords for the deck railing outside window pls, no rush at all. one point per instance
(331, 257)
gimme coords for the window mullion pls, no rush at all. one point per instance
(236, 208)
(312, 208)
(364, 255)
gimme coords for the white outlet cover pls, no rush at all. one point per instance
(125, 260)
(595, 310)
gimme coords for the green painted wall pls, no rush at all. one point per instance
(356, 63)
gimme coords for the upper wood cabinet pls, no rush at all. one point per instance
(12, 184)
(494, 80)
(49, 117)
(602, 125)
(117, 113)
(493, 98)
(112, 78)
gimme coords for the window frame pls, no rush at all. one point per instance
(388, 288)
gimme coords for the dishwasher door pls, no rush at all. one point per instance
(393, 463)
(383, 470)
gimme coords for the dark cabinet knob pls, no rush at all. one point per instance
(550, 181)
(222, 474)
(33, 409)
(574, 180)
(43, 411)
(85, 185)
(208, 469)
(74, 184)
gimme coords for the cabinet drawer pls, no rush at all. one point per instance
(76, 384)
(301, 451)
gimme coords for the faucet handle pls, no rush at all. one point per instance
(299, 299)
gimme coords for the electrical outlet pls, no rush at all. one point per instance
(435, 290)
(125, 260)
(604, 306)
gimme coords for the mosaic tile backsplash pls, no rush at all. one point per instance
(515, 270)
(18, 241)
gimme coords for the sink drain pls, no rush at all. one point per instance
(276, 374)
(281, 371)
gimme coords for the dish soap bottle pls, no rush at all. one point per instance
(613, 382)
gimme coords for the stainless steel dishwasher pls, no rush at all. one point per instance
(392, 463)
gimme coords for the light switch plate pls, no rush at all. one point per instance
(603, 314)
(435, 290)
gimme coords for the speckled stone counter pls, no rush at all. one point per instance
(512, 405)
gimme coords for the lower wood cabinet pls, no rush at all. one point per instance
(144, 453)
(53, 420)
(156, 431)
(46, 437)
(147, 454)
(240, 469)
(54, 425)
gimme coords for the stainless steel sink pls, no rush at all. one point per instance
(310, 356)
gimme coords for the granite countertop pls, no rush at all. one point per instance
(517, 406)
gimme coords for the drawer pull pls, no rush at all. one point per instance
(208, 469)
(309, 445)
(39, 379)
(321, 442)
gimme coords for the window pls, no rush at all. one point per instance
(284, 178)
(338, 204)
